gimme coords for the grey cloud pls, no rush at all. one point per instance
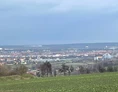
(68, 5)
(37, 7)
(85, 5)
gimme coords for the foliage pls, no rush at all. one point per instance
(46, 69)
(110, 69)
(82, 70)
(20, 70)
(7, 71)
(71, 68)
(115, 69)
(66, 69)
(4, 71)
(101, 69)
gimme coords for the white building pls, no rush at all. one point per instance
(107, 56)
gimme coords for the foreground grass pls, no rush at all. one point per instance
(107, 82)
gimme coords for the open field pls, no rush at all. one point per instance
(107, 82)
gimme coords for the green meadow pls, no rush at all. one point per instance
(104, 82)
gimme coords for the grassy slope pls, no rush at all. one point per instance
(107, 82)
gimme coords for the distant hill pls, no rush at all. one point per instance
(82, 46)
(63, 46)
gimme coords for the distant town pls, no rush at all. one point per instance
(70, 54)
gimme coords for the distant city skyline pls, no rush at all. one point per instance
(28, 22)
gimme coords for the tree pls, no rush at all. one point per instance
(71, 69)
(65, 68)
(81, 69)
(46, 69)
(101, 69)
(88, 70)
(55, 73)
(38, 73)
(49, 68)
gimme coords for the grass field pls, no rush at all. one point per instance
(107, 82)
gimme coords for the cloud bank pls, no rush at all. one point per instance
(60, 6)
(49, 21)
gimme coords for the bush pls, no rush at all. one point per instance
(115, 69)
(7, 71)
(101, 69)
(4, 71)
(110, 69)
(20, 70)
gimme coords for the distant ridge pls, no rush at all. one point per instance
(65, 46)
(84, 43)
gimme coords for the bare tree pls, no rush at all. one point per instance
(46, 69)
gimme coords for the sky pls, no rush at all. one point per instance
(25, 22)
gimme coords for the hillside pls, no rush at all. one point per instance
(107, 82)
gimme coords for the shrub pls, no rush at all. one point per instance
(110, 69)
(20, 70)
(4, 71)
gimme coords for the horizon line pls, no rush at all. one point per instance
(55, 44)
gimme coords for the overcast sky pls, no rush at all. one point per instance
(58, 21)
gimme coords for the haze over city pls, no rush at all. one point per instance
(58, 22)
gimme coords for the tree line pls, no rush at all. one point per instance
(45, 69)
